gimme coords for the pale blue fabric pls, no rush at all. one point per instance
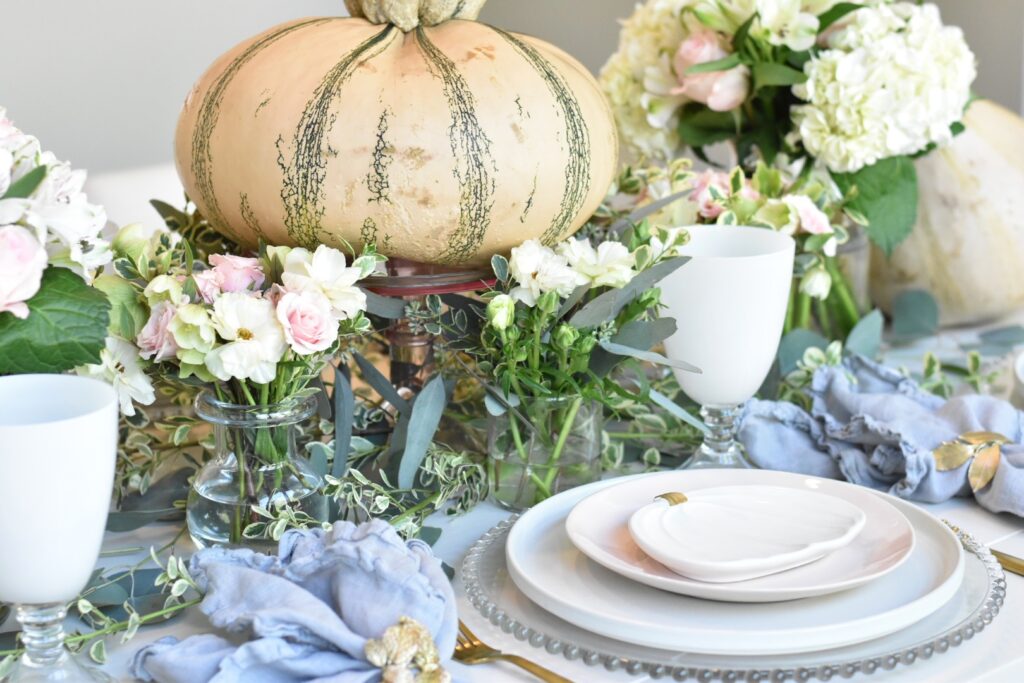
(873, 426)
(306, 614)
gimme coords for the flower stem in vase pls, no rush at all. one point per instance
(556, 454)
(847, 306)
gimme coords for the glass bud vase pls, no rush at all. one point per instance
(256, 468)
(543, 447)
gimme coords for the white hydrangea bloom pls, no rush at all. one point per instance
(639, 75)
(893, 81)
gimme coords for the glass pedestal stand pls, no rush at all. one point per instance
(411, 349)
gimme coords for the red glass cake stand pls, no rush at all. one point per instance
(411, 348)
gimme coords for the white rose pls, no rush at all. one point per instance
(538, 270)
(327, 272)
(255, 339)
(119, 366)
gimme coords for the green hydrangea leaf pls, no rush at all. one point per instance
(66, 327)
(887, 197)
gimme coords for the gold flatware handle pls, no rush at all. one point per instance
(1009, 562)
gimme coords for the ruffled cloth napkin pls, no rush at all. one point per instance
(873, 426)
(308, 613)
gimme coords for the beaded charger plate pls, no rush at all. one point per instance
(490, 589)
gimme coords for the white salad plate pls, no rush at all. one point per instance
(598, 527)
(737, 533)
(550, 571)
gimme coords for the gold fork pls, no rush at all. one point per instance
(470, 650)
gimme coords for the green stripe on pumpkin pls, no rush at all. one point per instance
(209, 115)
(303, 189)
(474, 169)
(577, 137)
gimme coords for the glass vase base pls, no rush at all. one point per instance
(706, 459)
(65, 670)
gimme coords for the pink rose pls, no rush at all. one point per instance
(707, 205)
(308, 323)
(22, 262)
(208, 285)
(812, 219)
(155, 341)
(719, 90)
(237, 273)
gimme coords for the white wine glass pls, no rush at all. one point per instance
(58, 446)
(729, 303)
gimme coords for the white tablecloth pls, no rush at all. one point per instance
(995, 656)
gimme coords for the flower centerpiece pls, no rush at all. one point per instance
(557, 323)
(255, 333)
(50, 250)
(857, 89)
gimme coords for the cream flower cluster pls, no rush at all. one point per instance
(892, 82)
(638, 79)
(538, 269)
(54, 225)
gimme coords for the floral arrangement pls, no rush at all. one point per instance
(256, 329)
(50, 250)
(855, 88)
(557, 324)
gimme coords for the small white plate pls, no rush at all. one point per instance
(547, 568)
(598, 526)
(738, 533)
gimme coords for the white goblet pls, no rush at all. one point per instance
(730, 304)
(58, 446)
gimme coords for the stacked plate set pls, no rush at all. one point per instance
(734, 575)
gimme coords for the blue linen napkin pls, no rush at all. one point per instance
(873, 426)
(307, 613)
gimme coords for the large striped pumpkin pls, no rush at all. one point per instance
(445, 142)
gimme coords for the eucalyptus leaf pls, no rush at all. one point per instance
(1010, 336)
(793, 346)
(606, 306)
(915, 315)
(66, 327)
(384, 306)
(161, 495)
(886, 196)
(574, 298)
(23, 187)
(372, 376)
(423, 422)
(676, 411)
(344, 416)
(647, 210)
(636, 334)
(866, 336)
(429, 534)
(649, 356)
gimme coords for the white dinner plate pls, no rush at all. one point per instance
(549, 570)
(598, 527)
(727, 534)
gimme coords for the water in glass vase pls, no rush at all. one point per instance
(257, 470)
(217, 516)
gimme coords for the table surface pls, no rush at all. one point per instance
(995, 656)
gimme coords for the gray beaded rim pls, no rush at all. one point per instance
(965, 630)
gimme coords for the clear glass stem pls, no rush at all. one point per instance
(720, 448)
(42, 633)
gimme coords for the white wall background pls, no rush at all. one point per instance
(101, 81)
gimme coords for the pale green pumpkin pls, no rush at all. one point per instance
(437, 140)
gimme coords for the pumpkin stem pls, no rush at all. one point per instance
(408, 14)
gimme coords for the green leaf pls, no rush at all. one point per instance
(1009, 336)
(173, 217)
(606, 306)
(915, 314)
(429, 534)
(866, 336)
(836, 13)
(500, 266)
(384, 306)
(127, 315)
(66, 327)
(649, 356)
(344, 417)
(767, 74)
(699, 126)
(24, 186)
(723, 64)
(793, 345)
(742, 33)
(636, 334)
(423, 421)
(886, 197)
(676, 411)
(381, 384)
